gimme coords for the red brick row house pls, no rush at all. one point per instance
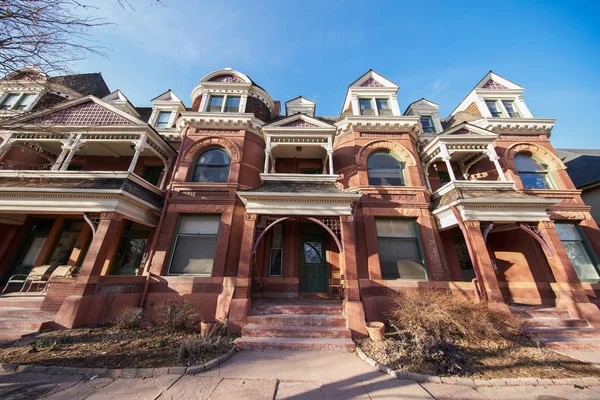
(236, 202)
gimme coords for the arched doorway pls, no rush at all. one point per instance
(295, 256)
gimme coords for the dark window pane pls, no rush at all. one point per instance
(382, 104)
(365, 104)
(276, 264)
(510, 108)
(193, 255)
(427, 124)
(215, 103)
(212, 166)
(525, 163)
(313, 252)
(384, 169)
(493, 107)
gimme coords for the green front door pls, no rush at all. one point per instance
(313, 266)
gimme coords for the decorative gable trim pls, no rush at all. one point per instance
(300, 123)
(492, 84)
(88, 113)
(371, 83)
(372, 79)
(299, 120)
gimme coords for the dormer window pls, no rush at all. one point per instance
(492, 105)
(366, 107)
(427, 123)
(374, 106)
(510, 108)
(224, 104)
(163, 119)
(16, 101)
(502, 108)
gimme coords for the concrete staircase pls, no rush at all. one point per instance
(20, 315)
(557, 329)
(296, 324)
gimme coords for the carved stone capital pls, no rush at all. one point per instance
(250, 216)
(112, 216)
(347, 218)
(472, 224)
(546, 225)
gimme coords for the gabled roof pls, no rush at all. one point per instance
(466, 128)
(422, 102)
(168, 96)
(372, 79)
(300, 121)
(494, 81)
(122, 102)
(87, 110)
(583, 165)
(300, 104)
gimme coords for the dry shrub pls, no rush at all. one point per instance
(178, 315)
(130, 318)
(203, 347)
(442, 316)
(436, 320)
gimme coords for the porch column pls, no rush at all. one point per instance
(48, 246)
(240, 304)
(482, 262)
(73, 146)
(103, 246)
(491, 152)
(163, 179)
(267, 157)
(353, 307)
(568, 288)
(330, 159)
(65, 148)
(139, 147)
(445, 155)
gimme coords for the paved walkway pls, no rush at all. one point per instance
(271, 375)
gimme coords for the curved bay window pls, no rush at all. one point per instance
(212, 165)
(534, 174)
(384, 168)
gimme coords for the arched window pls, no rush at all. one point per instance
(212, 165)
(384, 168)
(533, 173)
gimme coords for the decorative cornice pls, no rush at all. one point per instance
(361, 123)
(228, 121)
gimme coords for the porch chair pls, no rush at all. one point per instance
(35, 273)
(336, 286)
(62, 271)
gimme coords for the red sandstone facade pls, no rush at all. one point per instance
(229, 201)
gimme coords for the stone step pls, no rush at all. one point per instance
(8, 336)
(559, 333)
(334, 309)
(302, 320)
(555, 322)
(571, 344)
(313, 344)
(23, 313)
(541, 313)
(31, 324)
(21, 301)
(295, 331)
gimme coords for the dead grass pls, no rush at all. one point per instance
(111, 347)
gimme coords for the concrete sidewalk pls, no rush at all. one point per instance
(271, 375)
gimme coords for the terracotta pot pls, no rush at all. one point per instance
(376, 330)
(206, 327)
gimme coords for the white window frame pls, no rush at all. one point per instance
(500, 106)
(157, 118)
(373, 101)
(20, 97)
(223, 105)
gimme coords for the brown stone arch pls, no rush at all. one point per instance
(547, 156)
(189, 156)
(400, 150)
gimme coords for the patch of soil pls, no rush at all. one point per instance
(109, 347)
(517, 357)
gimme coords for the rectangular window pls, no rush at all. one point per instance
(195, 245)
(162, 121)
(215, 103)
(444, 177)
(400, 254)
(366, 107)
(23, 102)
(383, 107)
(232, 104)
(276, 253)
(9, 100)
(427, 123)
(510, 108)
(492, 105)
(578, 251)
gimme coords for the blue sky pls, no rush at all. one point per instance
(436, 50)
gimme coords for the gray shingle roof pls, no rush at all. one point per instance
(92, 83)
(298, 187)
(583, 165)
